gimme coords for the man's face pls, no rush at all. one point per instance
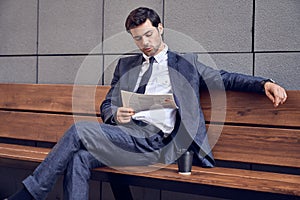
(148, 38)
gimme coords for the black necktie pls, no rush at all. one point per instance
(145, 78)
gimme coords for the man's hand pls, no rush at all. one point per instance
(124, 115)
(275, 93)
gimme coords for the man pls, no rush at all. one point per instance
(147, 137)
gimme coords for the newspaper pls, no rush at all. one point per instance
(142, 102)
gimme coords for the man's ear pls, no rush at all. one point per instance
(160, 28)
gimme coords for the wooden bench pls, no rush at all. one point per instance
(258, 152)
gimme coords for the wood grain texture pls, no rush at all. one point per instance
(252, 108)
(223, 177)
(52, 98)
(254, 133)
(259, 145)
(274, 146)
(37, 126)
(218, 176)
(247, 108)
(25, 153)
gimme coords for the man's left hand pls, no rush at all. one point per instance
(275, 93)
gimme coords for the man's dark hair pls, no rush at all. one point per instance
(139, 16)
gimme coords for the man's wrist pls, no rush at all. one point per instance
(267, 80)
(263, 83)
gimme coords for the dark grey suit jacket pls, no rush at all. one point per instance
(188, 76)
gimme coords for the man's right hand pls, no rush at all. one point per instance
(124, 115)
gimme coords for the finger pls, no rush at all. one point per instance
(122, 119)
(281, 93)
(283, 100)
(126, 110)
(280, 96)
(277, 101)
(124, 114)
(270, 96)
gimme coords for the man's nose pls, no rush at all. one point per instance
(145, 41)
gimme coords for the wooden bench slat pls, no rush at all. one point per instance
(236, 143)
(272, 146)
(248, 108)
(52, 98)
(159, 168)
(242, 107)
(223, 177)
(26, 153)
(36, 126)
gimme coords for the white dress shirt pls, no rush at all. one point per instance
(159, 83)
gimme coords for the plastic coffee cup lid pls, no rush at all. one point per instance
(185, 173)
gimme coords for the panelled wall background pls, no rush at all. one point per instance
(75, 41)
(48, 41)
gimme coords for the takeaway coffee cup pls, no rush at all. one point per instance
(185, 163)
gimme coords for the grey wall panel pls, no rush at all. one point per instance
(277, 25)
(110, 62)
(70, 69)
(217, 25)
(18, 27)
(18, 69)
(283, 68)
(69, 26)
(238, 63)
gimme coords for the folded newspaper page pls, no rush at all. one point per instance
(142, 102)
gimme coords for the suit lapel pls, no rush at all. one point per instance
(173, 73)
(172, 60)
(173, 68)
(133, 74)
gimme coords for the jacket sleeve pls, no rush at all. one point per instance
(112, 101)
(221, 79)
(241, 82)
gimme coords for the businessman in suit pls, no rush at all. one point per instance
(141, 138)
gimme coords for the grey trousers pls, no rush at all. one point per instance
(87, 145)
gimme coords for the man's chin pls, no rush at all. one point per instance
(147, 53)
